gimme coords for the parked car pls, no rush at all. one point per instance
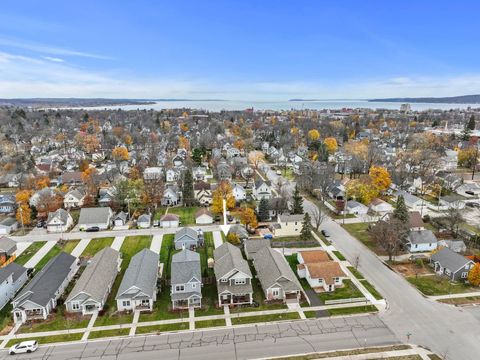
(268, 236)
(325, 233)
(473, 204)
(469, 192)
(93, 229)
(23, 347)
(40, 224)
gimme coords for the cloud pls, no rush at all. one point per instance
(49, 49)
(53, 59)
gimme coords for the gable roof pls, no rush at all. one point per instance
(422, 237)
(98, 275)
(202, 185)
(7, 244)
(61, 214)
(141, 273)
(13, 269)
(415, 219)
(94, 215)
(185, 266)
(312, 256)
(327, 270)
(255, 245)
(203, 211)
(227, 258)
(450, 259)
(169, 217)
(189, 232)
(42, 288)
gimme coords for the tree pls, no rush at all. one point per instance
(223, 191)
(233, 238)
(42, 182)
(314, 135)
(306, 232)
(401, 211)
(24, 214)
(362, 191)
(471, 123)
(120, 153)
(197, 156)
(263, 210)
(297, 199)
(474, 275)
(248, 218)
(380, 178)
(389, 235)
(331, 144)
(187, 189)
(318, 214)
(23, 196)
(453, 219)
(255, 158)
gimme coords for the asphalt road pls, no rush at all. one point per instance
(445, 329)
(248, 342)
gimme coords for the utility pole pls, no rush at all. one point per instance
(474, 167)
(21, 218)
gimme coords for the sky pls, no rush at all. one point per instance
(239, 50)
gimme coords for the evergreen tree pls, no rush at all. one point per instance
(197, 155)
(401, 211)
(297, 207)
(187, 189)
(263, 210)
(471, 123)
(306, 232)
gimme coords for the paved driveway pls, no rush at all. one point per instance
(315, 301)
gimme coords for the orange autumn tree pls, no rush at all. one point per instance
(248, 218)
(474, 275)
(23, 196)
(380, 178)
(223, 191)
(24, 214)
(331, 144)
(42, 182)
(120, 153)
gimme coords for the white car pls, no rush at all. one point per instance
(23, 347)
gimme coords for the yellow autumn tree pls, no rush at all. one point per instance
(184, 127)
(223, 191)
(24, 214)
(42, 182)
(120, 153)
(331, 144)
(380, 178)
(23, 196)
(467, 157)
(255, 158)
(313, 135)
(183, 143)
(362, 191)
(474, 275)
(248, 218)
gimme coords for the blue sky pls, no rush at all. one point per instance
(246, 50)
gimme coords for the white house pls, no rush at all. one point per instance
(73, 199)
(262, 190)
(288, 225)
(239, 192)
(8, 225)
(203, 217)
(144, 221)
(172, 175)
(153, 173)
(381, 207)
(421, 241)
(12, 278)
(169, 221)
(59, 221)
(203, 192)
(170, 197)
(95, 217)
(356, 208)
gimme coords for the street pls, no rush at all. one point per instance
(247, 342)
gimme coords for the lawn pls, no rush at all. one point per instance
(209, 323)
(209, 298)
(48, 339)
(161, 309)
(186, 214)
(352, 310)
(95, 245)
(57, 321)
(166, 252)
(371, 289)
(206, 252)
(6, 320)
(462, 301)
(348, 291)
(131, 246)
(293, 262)
(359, 230)
(29, 252)
(153, 329)
(293, 242)
(50, 255)
(355, 272)
(108, 333)
(439, 285)
(339, 255)
(265, 318)
(69, 245)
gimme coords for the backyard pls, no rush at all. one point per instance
(29, 252)
(48, 256)
(186, 214)
(95, 245)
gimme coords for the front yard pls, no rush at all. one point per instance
(432, 285)
(56, 321)
(29, 252)
(95, 245)
(348, 291)
(264, 318)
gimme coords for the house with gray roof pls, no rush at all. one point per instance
(234, 278)
(262, 190)
(7, 247)
(59, 221)
(186, 280)
(421, 241)
(448, 263)
(40, 296)
(276, 277)
(144, 221)
(8, 225)
(12, 278)
(138, 289)
(73, 199)
(92, 288)
(253, 246)
(96, 216)
(187, 238)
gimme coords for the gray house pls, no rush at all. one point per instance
(12, 278)
(276, 277)
(421, 241)
(186, 280)
(7, 247)
(99, 216)
(448, 263)
(187, 238)
(40, 296)
(138, 290)
(92, 288)
(251, 247)
(234, 278)
(8, 225)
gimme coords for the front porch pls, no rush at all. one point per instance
(191, 302)
(235, 299)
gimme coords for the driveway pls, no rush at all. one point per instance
(315, 301)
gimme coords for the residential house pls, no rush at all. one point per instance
(415, 221)
(91, 217)
(11, 180)
(138, 289)
(186, 238)
(356, 208)
(91, 290)
(448, 263)
(172, 175)
(239, 230)
(381, 207)
(233, 275)
(153, 173)
(455, 245)
(71, 178)
(449, 161)
(12, 278)
(224, 171)
(203, 192)
(186, 280)
(412, 201)
(8, 225)
(169, 221)
(287, 225)
(170, 196)
(262, 190)
(144, 221)
(106, 197)
(199, 173)
(421, 241)
(39, 297)
(8, 204)
(203, 217)
(73, 199)
(59, 221)
(178, 161)
(452, 202)
(7, 248)
(239, 192)
(276, 277)
(120, 219)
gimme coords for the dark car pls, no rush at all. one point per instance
(325, 233)
(93, 229)
(230, 218)
(41, 224)
(469, 192)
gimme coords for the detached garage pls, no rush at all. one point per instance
(203, 217)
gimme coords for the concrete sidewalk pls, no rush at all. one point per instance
(35, 259)
(156, 244)
(455, 296)
(217, 238)
(80, 247)
(117, 243)
(21, 247)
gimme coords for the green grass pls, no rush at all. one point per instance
(97, 244)
(186, 214)
(70, 245)
(166, 252)
(29, 252)
(293, 262)
(339, 255)
(206, 252)
(161, 328)
(6, 317)
(108, 333)
(161, 309)
(56, 322)
(349, 290)
(371, 289)
(209, 323)
(356, 273)
(50, 255)
(438, 285)
(359, 230)
(48, 339)
(209, 297)
(132, 245)
(265, 318)
(352, 310)
(112, 318)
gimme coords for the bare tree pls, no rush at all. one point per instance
(318, 215)
(453, 219)
(389, 235)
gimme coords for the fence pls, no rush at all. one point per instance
(342, 301)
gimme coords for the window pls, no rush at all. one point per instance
(464, 275)
(179, 288)
(224, 280)
(276, 292)
(240, 281)
(194, 286)
(126, 303)
(75, 306)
